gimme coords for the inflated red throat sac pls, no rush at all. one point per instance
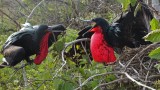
(100, 50)
(43, 49)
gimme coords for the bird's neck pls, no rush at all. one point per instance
(97, 29)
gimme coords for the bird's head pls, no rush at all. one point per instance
(99, 22)
(57, 29)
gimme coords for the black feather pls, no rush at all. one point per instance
(128, 30)
(22, 44)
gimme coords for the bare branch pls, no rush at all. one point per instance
(24, 75)
(63, 51)
(17, 24)
(139, 53)
(21, 5)
(89, 60)
(102, 74)
(140, 84)
(104, 84)
(91, 77)
(33, 11)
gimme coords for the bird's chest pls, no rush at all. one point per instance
(100, 50)
(97, 41)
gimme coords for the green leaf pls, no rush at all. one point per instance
(153, 36)
(133, 2)
(125, 4)
(154, 24)
(155, 53)
(59, 45)
(66, 86)
(110, 78)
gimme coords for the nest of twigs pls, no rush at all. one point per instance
(137, 64)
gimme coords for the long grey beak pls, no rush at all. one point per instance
(50, 29)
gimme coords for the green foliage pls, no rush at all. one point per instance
(41, 77)
(66, 86)
(154, 24)
(155, 53)
(153, 36)
(157, 85)
(125, 3)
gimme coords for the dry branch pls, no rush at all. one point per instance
(139, 54)
(33, 11)
(63, 51)
(17, 24)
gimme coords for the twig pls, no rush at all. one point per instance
(63, 51)
(140, 84)
(149, 7)
(21, 67)
(18, 25)
(138, 54)
(91, 77)
(12, 75)
(146, 79)
(21, 5)
(24, 75)
(89, 60)
(80, 81)
(136, 71)
(104, 84)
(121, 64)
(33, 11)
(126, 74)
(118, 80)
(74, 48)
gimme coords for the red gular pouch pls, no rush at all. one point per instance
(43, 49)
(101, 51)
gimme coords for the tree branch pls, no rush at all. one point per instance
(17, 24)
(63, 51)
(24, 75)
(139, 53)
(33, 11)
(139, 83)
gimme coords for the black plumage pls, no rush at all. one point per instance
(26, 42)
(128, 30)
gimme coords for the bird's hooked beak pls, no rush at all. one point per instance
(92, 23)
(50, 29)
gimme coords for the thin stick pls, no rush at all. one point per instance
(139, 53)
(63, 51)
(89, 60)
(104, 84)
(33, 11)
(24, 75)
(17, 24)
(91, 77)
(140, 84)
